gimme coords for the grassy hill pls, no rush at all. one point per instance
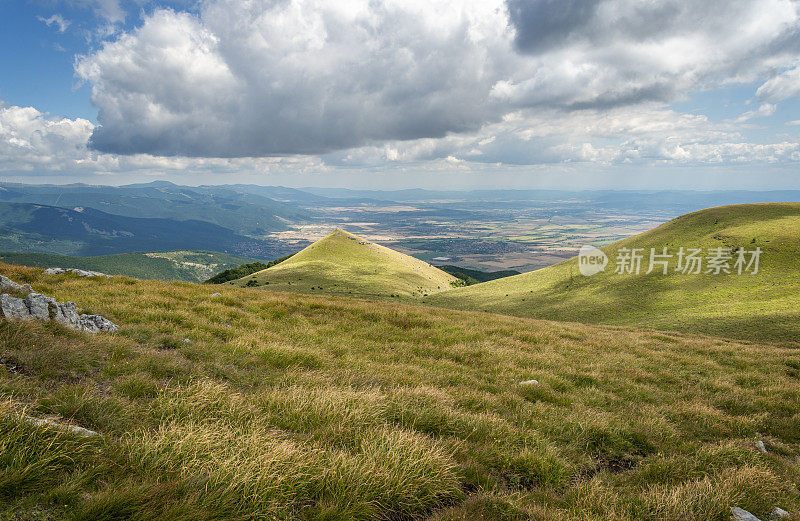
(763, 306)
(342, 263)
(194, 266)
(264, 405)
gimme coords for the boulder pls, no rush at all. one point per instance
(14, 308)
(778, 513)
(739, 514)
(96, 324)
(76, 271)
(7, 284)
(84, 273)
(36, 306)
(761, 447)
(529, 382)
(67, 315)
(39, 306)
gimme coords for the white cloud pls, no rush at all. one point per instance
(267, 77)
(764, 110)
(31, 141)
(109, 10)
(648, 134)
(781, 87)
(57, 20)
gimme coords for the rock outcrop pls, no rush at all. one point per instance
(35, 306)
(7, 285)
(80, 273)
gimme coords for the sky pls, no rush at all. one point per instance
(639, 94)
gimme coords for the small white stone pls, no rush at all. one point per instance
(740, 514)
(529, 382)
(778, 513)
(760, 446)
(216, 295)
(43, 422)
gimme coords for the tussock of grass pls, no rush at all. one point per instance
(284, 406)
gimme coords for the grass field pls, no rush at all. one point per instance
(342, 263)
(193, 266)
(764, 306)
(265, 405)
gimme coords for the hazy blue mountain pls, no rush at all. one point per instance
(243, 212)
(86, 231)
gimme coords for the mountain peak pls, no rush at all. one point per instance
(344, 263)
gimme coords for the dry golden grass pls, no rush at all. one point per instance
(284, 406)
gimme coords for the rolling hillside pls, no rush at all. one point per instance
(342, 263)
(763, 306)
(192, 266)
(260, 405)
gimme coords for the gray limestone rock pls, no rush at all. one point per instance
(740, 514)
(76, 271)
(36, 306)
(39, 305)
(67, 315)
(96, 324)
(14, 308)
(7, 284)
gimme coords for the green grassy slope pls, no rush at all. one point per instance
(342, 263)
(764, 306)
(193, 266)
(295, 407)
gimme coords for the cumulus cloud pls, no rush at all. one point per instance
(649, 134)
(34, 142)
(30, 140)
(278, 77)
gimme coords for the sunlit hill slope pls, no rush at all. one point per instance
(342, 263)
(764, 306)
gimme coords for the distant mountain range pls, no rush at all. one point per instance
(98, 220)
(268, 222)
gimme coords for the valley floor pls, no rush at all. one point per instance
(262, 405)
